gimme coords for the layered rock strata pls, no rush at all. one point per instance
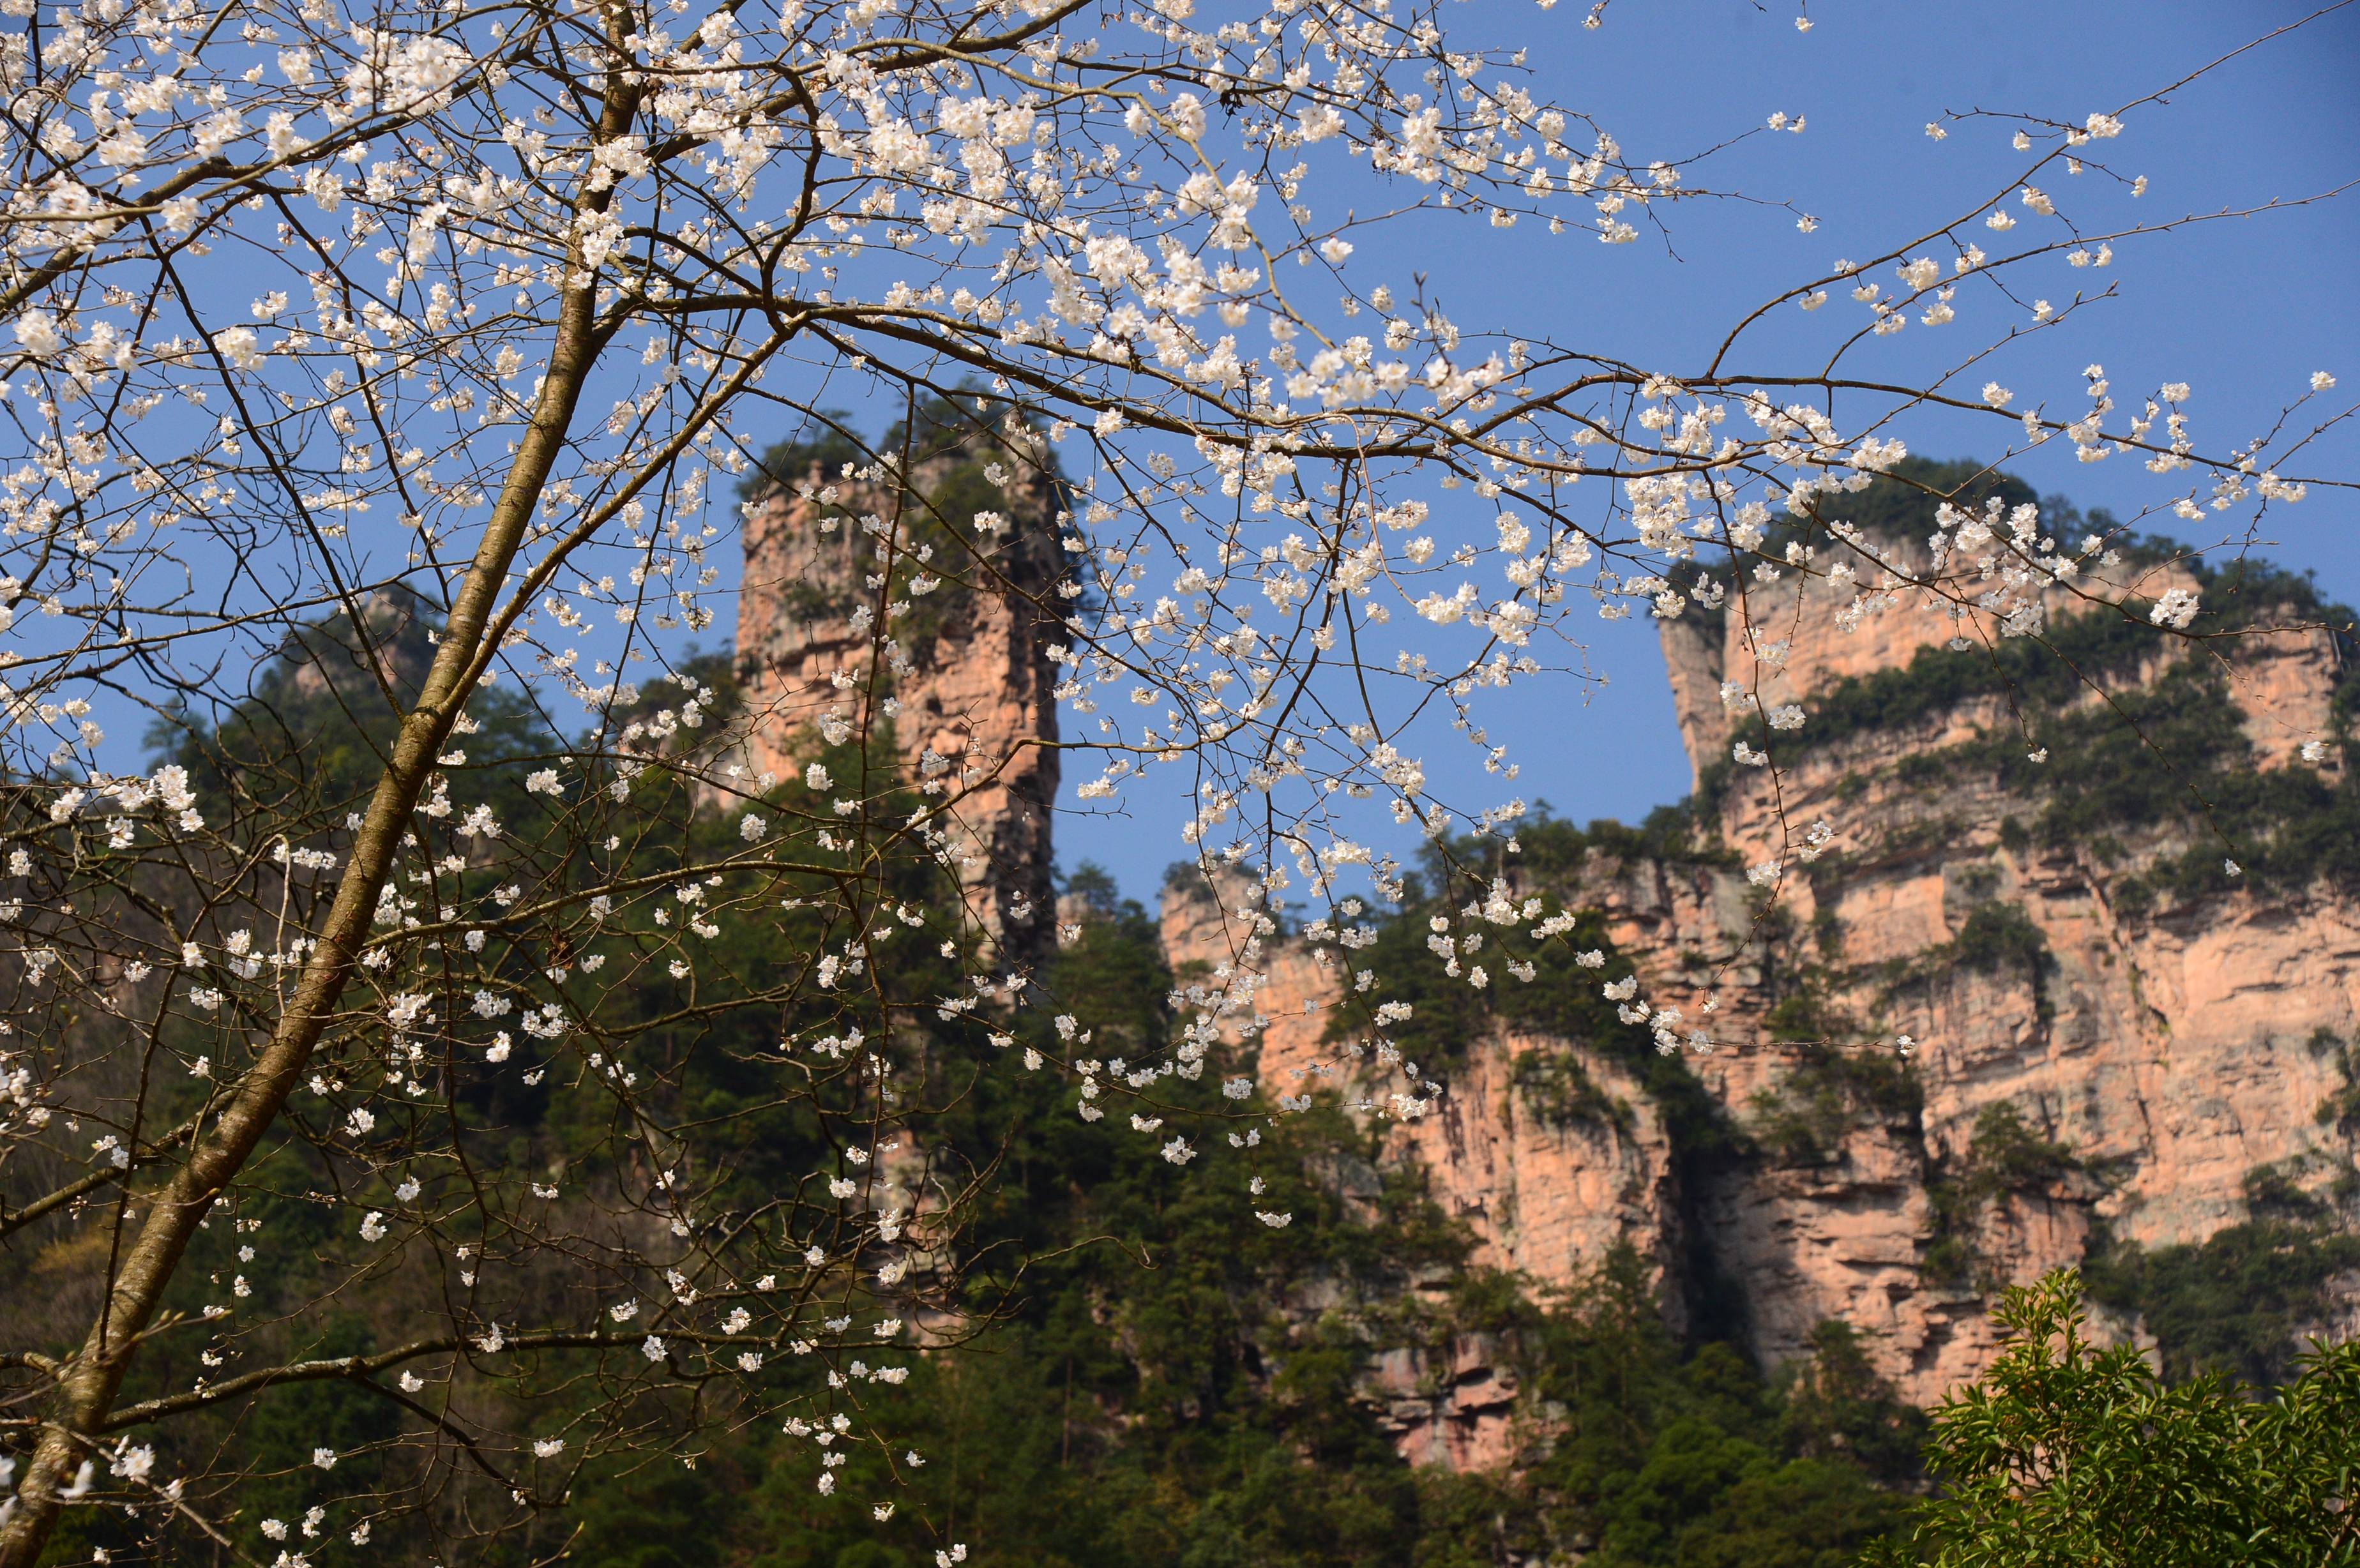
(2156, 1058)
(2174, 1052)
(2088, 1061)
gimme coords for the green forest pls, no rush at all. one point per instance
(1155, 1380)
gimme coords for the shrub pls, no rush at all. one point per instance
(2065, 1456)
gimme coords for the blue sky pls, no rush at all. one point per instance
(2244, 311)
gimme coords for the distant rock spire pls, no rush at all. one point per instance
(971, 609)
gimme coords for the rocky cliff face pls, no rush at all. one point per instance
(962, 564)
(2008, 1008)
(2101, 1048)
(2166, 1052)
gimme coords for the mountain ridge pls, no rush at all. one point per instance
(1995, 1022)
(2101, 1051)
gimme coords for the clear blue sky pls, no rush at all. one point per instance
(2242, 311)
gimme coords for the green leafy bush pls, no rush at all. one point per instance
(1804, 1115)
(2064, 1455)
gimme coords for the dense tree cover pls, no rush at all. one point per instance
(1173, 1383)
(1145, 1368)
(694, 1050)
(1153, 1369)
(1145, 1375)
(2239, 1303)
(1161, 1373)
(310, 732)
(491, 303)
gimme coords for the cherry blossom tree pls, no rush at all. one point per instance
(387, 381)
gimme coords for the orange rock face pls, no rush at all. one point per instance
(2083, 1062)
(2173, 1050)
(2162, 1055)
(964, 688)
